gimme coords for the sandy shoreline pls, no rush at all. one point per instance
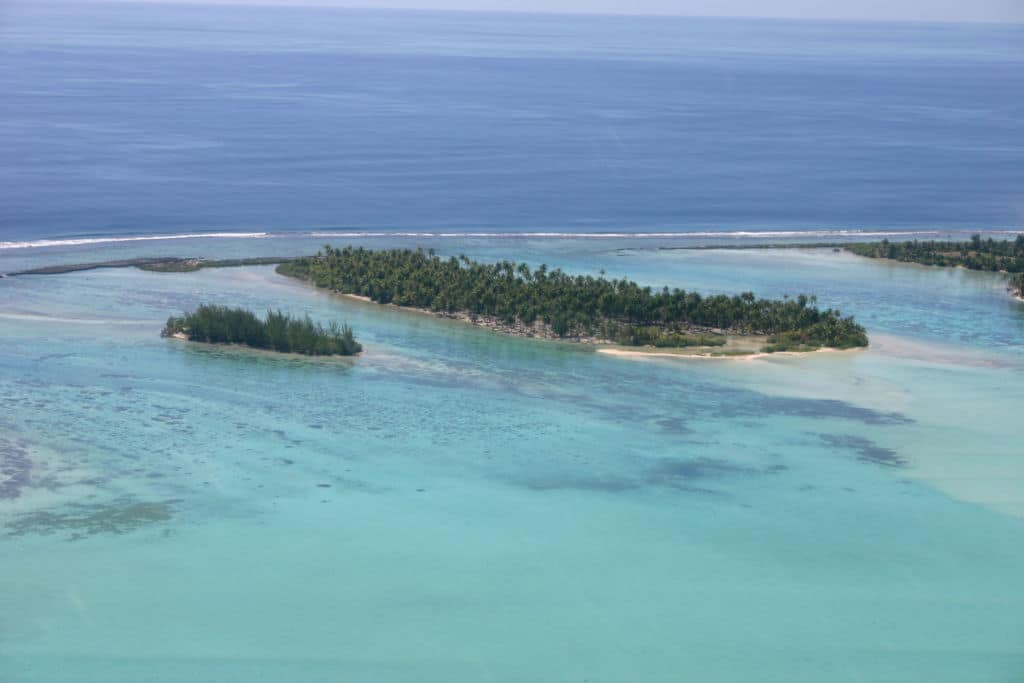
(640, 353)
(737, 347)
(536, 331)
(267, 353)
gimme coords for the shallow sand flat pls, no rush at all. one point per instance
(929, 382)
(970, 454)
(922, 351)
(711, 352)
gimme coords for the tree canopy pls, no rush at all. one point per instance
(570, 305)
(278, 331)
(976, 254)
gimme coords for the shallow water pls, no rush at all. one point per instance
(458, 505)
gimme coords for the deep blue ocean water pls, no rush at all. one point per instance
(153, 119)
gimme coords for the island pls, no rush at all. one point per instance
(978, 254)
(158, 264)
(514, 299)
(277, 332)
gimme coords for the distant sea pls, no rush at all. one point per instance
(147, 119)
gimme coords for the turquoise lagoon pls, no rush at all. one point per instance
(455, 505)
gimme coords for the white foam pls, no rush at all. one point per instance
(357, 234)
(38, 244)
(738, 234)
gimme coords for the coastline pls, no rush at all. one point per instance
(160, 264)
(732, 348)
(736, 347)
(120, 263)
(208, 347)
(535, 331)
(621, 352)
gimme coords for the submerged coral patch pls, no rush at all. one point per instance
(15, 469)
(606, 484)
(81, 520)
(674, 425)
(817, 408)
(866, 450)
(676, 474)
(695, 468)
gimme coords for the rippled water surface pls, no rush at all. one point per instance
(128, 118)
(458, 505)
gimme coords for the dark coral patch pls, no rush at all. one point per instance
(15, 469)
(866, 450)
(695, 468)
(830, 408)
(81, 521)
(676, 474)
(674, 425)
(607, 484)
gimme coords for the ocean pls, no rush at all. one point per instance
(457, 505)
(153, 119)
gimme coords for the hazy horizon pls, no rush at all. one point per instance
(987, 11)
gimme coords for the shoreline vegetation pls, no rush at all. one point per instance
(276, 332)
(513, 299)
(170, 264)
(1002, 256)
(611, 313)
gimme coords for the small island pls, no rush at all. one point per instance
(978, 254)
(158, 264)
(277, 332)
(514, 299)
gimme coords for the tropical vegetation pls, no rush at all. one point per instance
(514, 296)
(278, 331)
(976, 254)
(188, 265)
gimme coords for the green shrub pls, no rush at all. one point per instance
(279, 331)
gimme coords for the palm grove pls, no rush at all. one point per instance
(570, 306)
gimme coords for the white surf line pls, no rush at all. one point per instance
(39, 244)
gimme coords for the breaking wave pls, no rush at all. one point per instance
(357, 234)
(76, 241)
